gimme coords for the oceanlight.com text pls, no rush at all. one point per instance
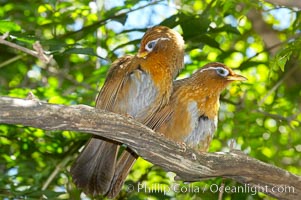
(213, 188)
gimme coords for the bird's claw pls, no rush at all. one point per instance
(182, 146)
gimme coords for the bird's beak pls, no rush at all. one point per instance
(142, 54)
(236, 77)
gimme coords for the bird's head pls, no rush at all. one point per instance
(217, 75)
(162, 44)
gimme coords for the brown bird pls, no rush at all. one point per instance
(136, 86)
(192, 113)
(190, 116)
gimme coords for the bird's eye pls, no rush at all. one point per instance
(222, 71)
(151, 45)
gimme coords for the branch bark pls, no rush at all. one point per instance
(186, 163)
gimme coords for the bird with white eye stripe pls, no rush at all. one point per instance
(192, 113)
(136, 86)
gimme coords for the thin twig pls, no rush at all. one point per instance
(57, 169)
(221, 190)
(39, 53)
(9, 61)
(61, 166)
(278, 117)
(274, 46)
(4, 36)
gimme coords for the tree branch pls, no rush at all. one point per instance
(39, 53)
(286, 3)
(186, 163)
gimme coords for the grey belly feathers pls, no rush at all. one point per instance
(142, 92)
(202, 126)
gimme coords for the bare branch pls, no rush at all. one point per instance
(286, 3)
(9, 61)
(188, 165)
(39, 53)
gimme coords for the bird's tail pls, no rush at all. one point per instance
(123, 168)
(93, 170)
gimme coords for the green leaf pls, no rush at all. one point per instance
(249, 64)
(25, 37)
(282, 59)
(113, 12)
(193, 25)
(8, 26)
(86, 51)
(122, 19)
(171, 21)
(199, 40)
(227, 28)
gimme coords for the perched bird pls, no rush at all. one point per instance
(136, 86)
(190, 116)
(192, 113)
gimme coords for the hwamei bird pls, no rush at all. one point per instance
(136, 86)
(191, 115)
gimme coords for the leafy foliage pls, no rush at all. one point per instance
(262, 115)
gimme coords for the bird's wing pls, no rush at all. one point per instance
(130, 90)
(116, 77)
(162, 116)
(95, 167)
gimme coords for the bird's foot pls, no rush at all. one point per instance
(182, 146)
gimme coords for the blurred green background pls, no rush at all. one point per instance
(259, 39)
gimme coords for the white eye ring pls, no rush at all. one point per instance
(222, 71)
(151, 45)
